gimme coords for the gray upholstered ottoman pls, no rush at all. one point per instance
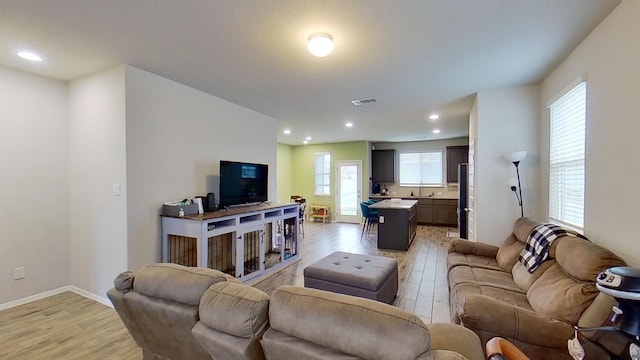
(371, 277)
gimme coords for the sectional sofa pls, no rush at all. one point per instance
(493, 294)
(176, 312)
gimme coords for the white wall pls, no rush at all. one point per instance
(609, 59)
(97, 160)
(507, 121)
(33, 185)
(176, 136)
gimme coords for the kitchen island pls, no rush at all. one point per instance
(433, 210)
(397, 223)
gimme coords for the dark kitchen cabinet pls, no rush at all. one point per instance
(425, 211)
(445, 212)
(456, 155)
(442, 212)
(383, 166)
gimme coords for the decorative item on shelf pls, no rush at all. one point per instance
(515, 158)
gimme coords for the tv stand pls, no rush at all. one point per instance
(248, 242)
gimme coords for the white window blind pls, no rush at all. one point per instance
(567, 157)
(418, 169)
(322, 174)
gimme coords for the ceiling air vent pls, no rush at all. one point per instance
(363, 101)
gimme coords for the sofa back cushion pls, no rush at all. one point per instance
(233, 318)
(353, 326)
(524, 279)
(582, 259)
(508, 253)
(510, 249)
(523, 227)
(174, 282)
(235, 309)
(567, 288)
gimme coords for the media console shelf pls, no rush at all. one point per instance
(246, 242)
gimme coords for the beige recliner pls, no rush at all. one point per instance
(159, 306)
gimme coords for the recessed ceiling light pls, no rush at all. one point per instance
(287, 131)
(320, 44)
(29, 56)
(349, 124)
(308, 138)
(436, 131)
(434, 116)
(305, 142)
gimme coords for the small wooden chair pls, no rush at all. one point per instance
(320, 211)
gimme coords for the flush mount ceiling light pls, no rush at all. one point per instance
(287, 131)
(434, 116)
(349, 124)
(308, 138)
(27, 55)
(436, 131)
(320, 44)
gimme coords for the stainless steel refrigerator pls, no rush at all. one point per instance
(463, 179)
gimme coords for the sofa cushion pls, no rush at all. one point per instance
(559, 296)
(484, 277)
(457, 259)
(523, 227)
(582, 259)
(508, 253)
(524, 278)
(517, 299)
(174, 282)
(235, 309)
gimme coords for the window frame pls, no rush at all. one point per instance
(421, 183)
(324, 175)
(562, 207)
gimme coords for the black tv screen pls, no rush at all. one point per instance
(242, 183)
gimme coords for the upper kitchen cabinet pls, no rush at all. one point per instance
(456, 155)
(383, 166)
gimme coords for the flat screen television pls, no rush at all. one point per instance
(242, 183)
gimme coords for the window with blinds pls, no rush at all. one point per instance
(417, 169)
(322, 174)
(567, 157)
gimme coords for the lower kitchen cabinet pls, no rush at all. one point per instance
(442, 212)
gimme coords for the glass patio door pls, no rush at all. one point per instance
(348, 191)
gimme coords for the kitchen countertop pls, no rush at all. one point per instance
(385, 197)
(393, 204)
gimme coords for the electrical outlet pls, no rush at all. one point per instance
(18, 273)
(116, 189)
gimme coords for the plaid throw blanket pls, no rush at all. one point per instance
(536, 250)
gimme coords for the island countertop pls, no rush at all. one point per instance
(394, 204)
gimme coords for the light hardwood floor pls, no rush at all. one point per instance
(69, 326)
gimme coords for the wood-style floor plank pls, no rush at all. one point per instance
(69, 326)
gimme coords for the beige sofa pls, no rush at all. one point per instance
(161, 309)
(493, 294)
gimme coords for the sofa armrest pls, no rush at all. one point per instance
(463, 246)
(482, 313)
(456, 338)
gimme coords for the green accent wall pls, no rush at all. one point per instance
(302, 169)
(284, 175)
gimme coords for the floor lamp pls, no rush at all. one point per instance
(515, 158)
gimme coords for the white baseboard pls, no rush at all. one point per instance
(60, 290)
(92, 296)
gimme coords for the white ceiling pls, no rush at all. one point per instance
(413, 57)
